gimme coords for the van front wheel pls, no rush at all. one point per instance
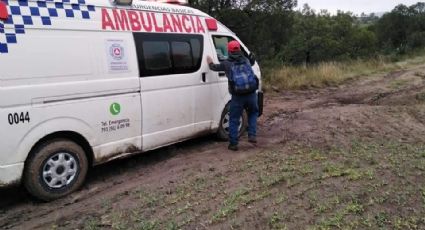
(223, 129)
(55, 169)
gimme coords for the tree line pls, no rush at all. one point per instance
(278, 33)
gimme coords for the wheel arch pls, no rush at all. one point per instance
(69, 135)
(64, 127)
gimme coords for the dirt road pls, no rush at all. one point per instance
(348, 157)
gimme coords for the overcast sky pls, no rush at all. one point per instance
(355, 6)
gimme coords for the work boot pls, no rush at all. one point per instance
(252, 140)
(233, 147)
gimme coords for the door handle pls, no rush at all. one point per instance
(204, 77)
(221, 74)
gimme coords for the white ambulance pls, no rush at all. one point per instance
(87, 81)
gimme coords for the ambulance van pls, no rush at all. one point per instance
(83, 82)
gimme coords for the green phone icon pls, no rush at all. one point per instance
(115, 108)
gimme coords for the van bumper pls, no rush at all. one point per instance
(10, 174)
(260, 103)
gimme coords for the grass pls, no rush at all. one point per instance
(333, 73)
(276, 221)
(398, 84)
(91, 224)
(230, 205)
(288, 187)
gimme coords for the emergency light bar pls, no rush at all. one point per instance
(3, 11)
(211, 24)
(178, 2)
(123, 2)
(129, 2)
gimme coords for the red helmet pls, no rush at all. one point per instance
(234, 46)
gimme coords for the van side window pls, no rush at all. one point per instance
(156, 55)
(182, 55)
(196, 45)
(220, 43)
(165, 54)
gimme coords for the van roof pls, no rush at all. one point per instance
(144, 5)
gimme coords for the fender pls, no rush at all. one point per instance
(51, 126)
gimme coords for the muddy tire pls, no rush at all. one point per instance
(55, 169)
(223, 129)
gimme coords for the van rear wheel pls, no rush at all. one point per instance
(55, 169)
(223, 129)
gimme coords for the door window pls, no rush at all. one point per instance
(220, 43)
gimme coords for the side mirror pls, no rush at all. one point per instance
(251, 58)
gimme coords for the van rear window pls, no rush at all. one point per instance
(165, 54)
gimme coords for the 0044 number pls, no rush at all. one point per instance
(16, 118)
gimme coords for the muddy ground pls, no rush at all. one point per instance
(350, 157)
